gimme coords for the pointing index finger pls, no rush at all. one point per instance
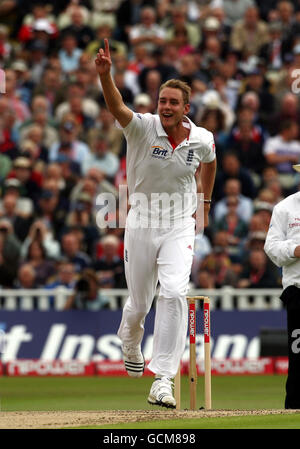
(106, 45)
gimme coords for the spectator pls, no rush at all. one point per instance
(235, 10)
(40, 232)
(70, 248)
(69, 54)
(257, 274)
(109, 266)
(148, 32)
(26, 279)
(247, 139)
(65, 276)
(283, 150)
(231, 168)
(218, 263)
(105, 30)
(102, 158)
(83, 32)
(20, 108)
(30, 181)
(37, 259)
(10, 211)
(69, 143)
(250, 25)
(87, 295)
(179, 21)
(10, 249)
(232, 187)
(236, 228)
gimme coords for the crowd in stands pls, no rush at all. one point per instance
(60, 148)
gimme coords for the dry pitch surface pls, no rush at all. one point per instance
(56, 420)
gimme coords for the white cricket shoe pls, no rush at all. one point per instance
(134, 361)
(161, 393)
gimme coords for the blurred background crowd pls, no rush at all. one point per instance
(59, 147)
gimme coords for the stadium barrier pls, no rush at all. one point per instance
(42, 368)
(226, 298)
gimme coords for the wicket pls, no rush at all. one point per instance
(192, 362)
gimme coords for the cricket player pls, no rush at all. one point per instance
(282, 245)
(164, 152)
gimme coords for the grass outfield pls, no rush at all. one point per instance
(123, 393)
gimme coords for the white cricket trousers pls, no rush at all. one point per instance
(163, 255)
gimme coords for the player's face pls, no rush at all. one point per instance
(171, 107)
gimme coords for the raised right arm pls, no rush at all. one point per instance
(112, 96)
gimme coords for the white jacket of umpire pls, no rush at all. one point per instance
(283, 237)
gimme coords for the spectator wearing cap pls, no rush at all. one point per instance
(214, 26)
(10, 210)
(43, 30)
(30, 180)
(79, 28)
(13, 186)
(249, 34)
(142, 103)
(25, 85)
(69, 143)
(38, 11)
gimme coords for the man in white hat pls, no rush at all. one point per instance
(282, 245)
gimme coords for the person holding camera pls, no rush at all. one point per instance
(87, 295)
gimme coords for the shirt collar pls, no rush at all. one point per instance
(162, 133)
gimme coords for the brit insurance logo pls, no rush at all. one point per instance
(158, 152)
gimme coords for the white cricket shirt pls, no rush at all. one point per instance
(283, 237)
(154, 167)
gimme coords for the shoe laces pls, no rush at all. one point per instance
(163, 385)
